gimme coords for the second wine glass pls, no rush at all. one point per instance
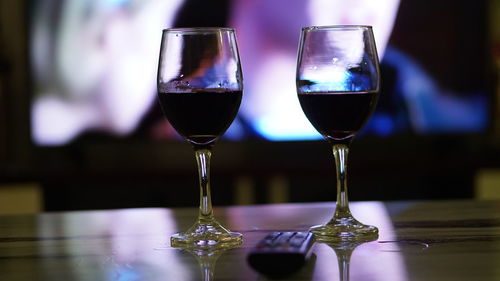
(200, 89)
(338, 86)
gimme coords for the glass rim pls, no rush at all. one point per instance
(198, 29)
(337, 27)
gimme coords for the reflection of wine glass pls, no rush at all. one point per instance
(343, 250)
(206, 260)
(338, 84)
(199, 88)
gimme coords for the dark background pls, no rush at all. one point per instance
(104, 172)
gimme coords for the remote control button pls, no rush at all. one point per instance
(281, 253)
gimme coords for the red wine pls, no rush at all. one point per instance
(201, 117)
(338, 115)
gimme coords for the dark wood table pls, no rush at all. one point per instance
(445, 240)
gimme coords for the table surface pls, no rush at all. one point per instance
(437, 240)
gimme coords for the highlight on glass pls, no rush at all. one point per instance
(200, 88)
(338, 81)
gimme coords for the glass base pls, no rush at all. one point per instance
(204, 235)
(345, 229)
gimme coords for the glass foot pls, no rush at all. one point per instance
(206, 235)
(345, 229)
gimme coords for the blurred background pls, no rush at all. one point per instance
(80, 126)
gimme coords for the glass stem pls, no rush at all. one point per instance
(203, 160)
(207, 274)
(344, 258)
(340, 152)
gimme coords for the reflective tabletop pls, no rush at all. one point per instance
(424, 240)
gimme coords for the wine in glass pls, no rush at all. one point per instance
(338, 84)
(200, 88)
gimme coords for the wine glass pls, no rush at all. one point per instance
(207, 258)
(199, 88)
(338, 84)
(343, 251)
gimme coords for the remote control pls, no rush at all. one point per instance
(281, 253)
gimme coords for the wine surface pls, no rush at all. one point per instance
(338, 115)
(201, 116)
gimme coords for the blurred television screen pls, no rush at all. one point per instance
(94, 65)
